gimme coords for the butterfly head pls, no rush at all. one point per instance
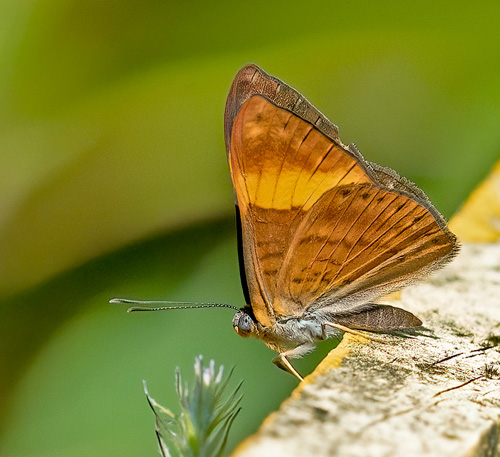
(244, 323)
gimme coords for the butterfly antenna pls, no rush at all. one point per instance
(142, 305)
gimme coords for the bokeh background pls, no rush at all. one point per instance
(114, 182)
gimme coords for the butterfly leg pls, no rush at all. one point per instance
(282, 362)
(354, 332)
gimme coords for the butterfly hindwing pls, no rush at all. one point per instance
(359, 242)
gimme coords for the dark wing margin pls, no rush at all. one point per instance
(243, 275)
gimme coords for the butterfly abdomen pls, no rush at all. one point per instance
(376, 318)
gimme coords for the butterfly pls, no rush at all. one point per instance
(322, 232)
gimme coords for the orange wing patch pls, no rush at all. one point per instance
(280, 161)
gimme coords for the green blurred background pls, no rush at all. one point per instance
(114, 183)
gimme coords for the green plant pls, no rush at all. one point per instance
(202, 427)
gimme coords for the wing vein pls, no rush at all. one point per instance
(348, 204)
(285, 154)
(347, 231)
(292, 193)
(398, 253)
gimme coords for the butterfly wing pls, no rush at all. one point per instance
(359, 242)
(299, 191)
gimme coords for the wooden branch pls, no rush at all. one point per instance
(428, 396)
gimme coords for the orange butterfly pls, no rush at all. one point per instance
(322, 232)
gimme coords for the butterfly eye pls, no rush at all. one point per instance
(242, 323)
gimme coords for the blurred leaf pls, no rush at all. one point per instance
(478, 220)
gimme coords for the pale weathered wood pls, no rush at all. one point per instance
(414, 397)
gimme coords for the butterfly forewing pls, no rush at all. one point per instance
(280, 167)
(319, 223)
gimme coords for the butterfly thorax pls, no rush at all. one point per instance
(286, 333)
